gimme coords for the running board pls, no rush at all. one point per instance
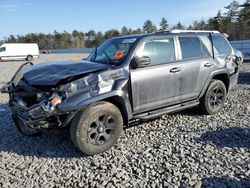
(167, 110)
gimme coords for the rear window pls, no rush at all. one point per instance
(192, 48)
(222, 45)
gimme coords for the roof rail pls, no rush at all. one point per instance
(192, 31)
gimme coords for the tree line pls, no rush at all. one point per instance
(235, 22)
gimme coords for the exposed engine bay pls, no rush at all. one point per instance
(32, 105)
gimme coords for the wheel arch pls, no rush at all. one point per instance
(120, 104)
(224, 78)
(119, 98)
(220, 75)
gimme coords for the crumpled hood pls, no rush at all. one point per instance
(52, 72)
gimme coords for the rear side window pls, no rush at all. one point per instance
(2, 49)
(160, 50)
(221, 45)
(192, 48)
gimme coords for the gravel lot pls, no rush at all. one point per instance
(186, 149)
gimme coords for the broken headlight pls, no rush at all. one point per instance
(78, 86)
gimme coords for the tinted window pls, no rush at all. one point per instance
(192, 48)
(221, 45)
(2, 49)
(160, 50)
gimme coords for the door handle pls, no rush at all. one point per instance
(208, 65)
(175, 69)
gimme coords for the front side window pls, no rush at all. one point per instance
(159, 50)
(2, 49)
(221, 44)
(112, 51)
(192, 48)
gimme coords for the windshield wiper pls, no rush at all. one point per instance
(109, 59)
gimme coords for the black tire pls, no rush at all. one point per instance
(29, 58)
(96, 128)
(214, 98)
(23, 128)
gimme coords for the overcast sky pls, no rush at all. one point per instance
(25, 16)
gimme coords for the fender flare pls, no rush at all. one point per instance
(216, 73)
(123, 98)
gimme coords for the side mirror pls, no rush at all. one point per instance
(138, 62)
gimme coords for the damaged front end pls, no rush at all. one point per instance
(51, 106)
(35, 110)
(33, 107)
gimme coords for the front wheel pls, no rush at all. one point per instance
(96, 128)
(214, 98)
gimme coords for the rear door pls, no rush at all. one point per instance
(197, 65)
(157, 84)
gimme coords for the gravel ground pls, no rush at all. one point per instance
(186, 149)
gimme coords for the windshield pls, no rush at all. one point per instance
(112, 51)
(2, 49)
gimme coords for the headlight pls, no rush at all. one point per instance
(78, 86)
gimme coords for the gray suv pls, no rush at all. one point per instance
(131, 77)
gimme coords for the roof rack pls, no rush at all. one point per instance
(192, 31)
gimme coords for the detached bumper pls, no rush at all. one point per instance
(35, 116)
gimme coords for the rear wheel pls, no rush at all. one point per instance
(97, 128)
(29, 58)
(214, 98)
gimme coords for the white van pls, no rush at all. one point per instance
(27, 51)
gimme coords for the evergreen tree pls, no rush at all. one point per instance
(179, 26)
(149, 27)
(124, 31)
(164, 24)
(98, 39)
(137, 31)
(200, 25)
(244, 20)
(111, 33)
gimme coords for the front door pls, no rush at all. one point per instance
(157, 84)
